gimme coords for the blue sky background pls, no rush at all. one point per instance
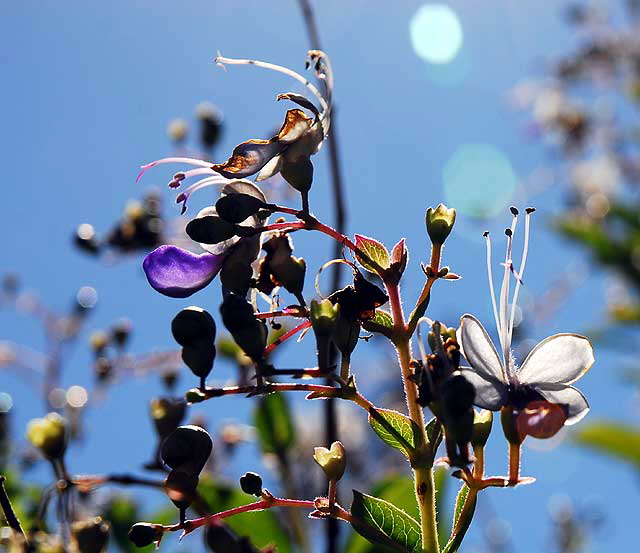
(89, 87)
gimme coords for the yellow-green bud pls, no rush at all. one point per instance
(324, 316)
(439, 223)
(482, 422)
(332, 461)
(49, 435)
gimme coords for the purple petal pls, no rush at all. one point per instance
(178, 273)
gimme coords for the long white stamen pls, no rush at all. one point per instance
(220, 60)
(187, 160)
(491, 288)
(523, 263)
(504, 295)
(184, 196)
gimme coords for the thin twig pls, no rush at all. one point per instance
(10, 515)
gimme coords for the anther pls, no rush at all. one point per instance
(514, 211)
(485, 233)
(530, 210)
(508, 232)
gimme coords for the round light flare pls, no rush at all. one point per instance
(436, 33)
(77, 397)
(479, 180)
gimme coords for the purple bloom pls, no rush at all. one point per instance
(179, 273)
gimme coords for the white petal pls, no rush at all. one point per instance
(569, 397)
(243, 186)
(559, 359)
(490, 394)
(270, 169)
(478, 349)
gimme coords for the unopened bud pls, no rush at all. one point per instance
(187, 449)
(144, 533)
(332, 461)
(235, 208)
(299, 174)
(49, 435)
(251, 483)
(482, 423)
(210, 229)
(440, 223)
(167, 414)
(324, 316)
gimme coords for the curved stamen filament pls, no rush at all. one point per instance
(187, 160)
(523, 263)
(220, 60)
(199, 185)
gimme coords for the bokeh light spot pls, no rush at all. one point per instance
(478, 180)
(77, 396)
(6, 402)
(436, 33)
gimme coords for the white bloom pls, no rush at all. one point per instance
(548, 371)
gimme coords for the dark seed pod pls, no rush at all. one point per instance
(181, 488)
(193, 325)
(298, 174)
(144, 533)
(199, 358)
(248, 332)
(235, 208)
(187, 449)
(210, 230)
(251, 483)
(167, 414)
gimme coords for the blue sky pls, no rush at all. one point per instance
(89, 89)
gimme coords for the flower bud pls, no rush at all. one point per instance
(121, 331)
(98, 341)
(458, 395)
(509, 420)
(235, 208)
(345, 335)
(236, 272)
(482, 423)
(90, 536)
(167, 414)
(144, 533)
(324, 316)
(332, 461)
(251, 483)
(49, 435)
(181, 488)
(187, 449)
(439, 223)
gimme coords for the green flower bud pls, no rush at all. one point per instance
(144, 533)
(187, 449)
(90, 536)
(439, 223)
(324, 316)
(194, 396)
(235, 208)
(251, 483)
(482, 423)
(332, 461)
(167, 414)
(49, 435)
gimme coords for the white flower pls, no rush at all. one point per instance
(548, 371)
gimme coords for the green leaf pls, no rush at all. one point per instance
(399, 491)
(384, 524)
(441, 481)
(273, 423)
(261, 527)
(382, 322)
(376, 252)
(434, 435)
(461, 519)
(613, 438)
(396, 430)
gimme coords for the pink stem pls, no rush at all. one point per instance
(286, 336)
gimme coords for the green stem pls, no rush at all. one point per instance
(422, 475)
